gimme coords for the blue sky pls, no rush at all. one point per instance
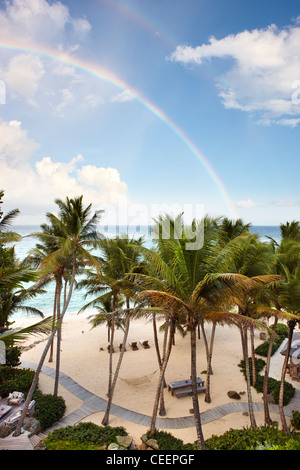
(204, 113)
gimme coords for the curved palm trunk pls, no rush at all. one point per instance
(268, 419)
(58, 341)
(244, 340)
(200, 437)
(112, 336)
(207, 392)
(156, 343)
(162, 408)
(161, 378)
(205, 342)
(105, 419)
(253, 356)
(53, 321)
(43, 357)
(291, 325)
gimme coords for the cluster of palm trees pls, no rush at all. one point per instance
(232, 278)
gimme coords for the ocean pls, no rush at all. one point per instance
(45, 302)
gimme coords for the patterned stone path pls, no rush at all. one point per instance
(93, 404)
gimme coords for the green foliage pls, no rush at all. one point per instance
(253, 439)
(273, 384)
(281, 331)
(167, 441)
(12, 379)
(83, 436)
(13, 354)
(295, 421)
(48, 409)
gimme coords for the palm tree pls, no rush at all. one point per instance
(230, 229)
(176, 279)
(289, 298)
(7, 236)
(118, 259)
(79, 236)
(290, 231)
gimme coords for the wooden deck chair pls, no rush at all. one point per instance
(144, 343)
(133, 345)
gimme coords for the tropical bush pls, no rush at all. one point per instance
(273, 384)
(83, 436)
(264, 437)
(48, 409)
(12, 379)
(295, 421)
(167, 441)
(281, 331)
(13, 354)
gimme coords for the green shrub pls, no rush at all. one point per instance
(252, 439)
(281, 331)
(295, 421)
(48, 409)
(13, 354)
(12, 379)
(83, 436)
(273, 384)
(167, 441)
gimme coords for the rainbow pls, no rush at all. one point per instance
(108, 76)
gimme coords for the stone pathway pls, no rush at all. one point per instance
(93, 404)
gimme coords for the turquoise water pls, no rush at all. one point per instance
(44, 302)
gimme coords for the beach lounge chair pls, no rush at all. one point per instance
(108, 348)
(4, 409)
(13, 420)
(133, 345)
(144, 343)
(120, 346)
(31, 408)
(15, 398)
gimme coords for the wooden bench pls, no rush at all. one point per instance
(185, 392)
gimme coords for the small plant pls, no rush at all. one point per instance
(48, 409)
(295, 421)
(83, 436)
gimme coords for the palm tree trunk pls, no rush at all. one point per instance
(155, 336)
(200, 437)
(105, 419)
(53, 321)
(58, 341)
(162, 408)
(43, 357)
(161, 378)
(253, 356)
(244, 340)
(268, 419)
(207, 392)
(110, 367)
(291, 325)
(205, 342)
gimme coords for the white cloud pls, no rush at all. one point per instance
(265, 69)
(23, 75)
(285, 203)
(246, 204)
(36, 188)
(31, 20)
(123, 97)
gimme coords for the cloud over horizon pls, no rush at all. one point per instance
(48, 179)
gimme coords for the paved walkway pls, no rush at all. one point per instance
(93, 404)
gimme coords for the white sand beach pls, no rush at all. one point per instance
(84, 362)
